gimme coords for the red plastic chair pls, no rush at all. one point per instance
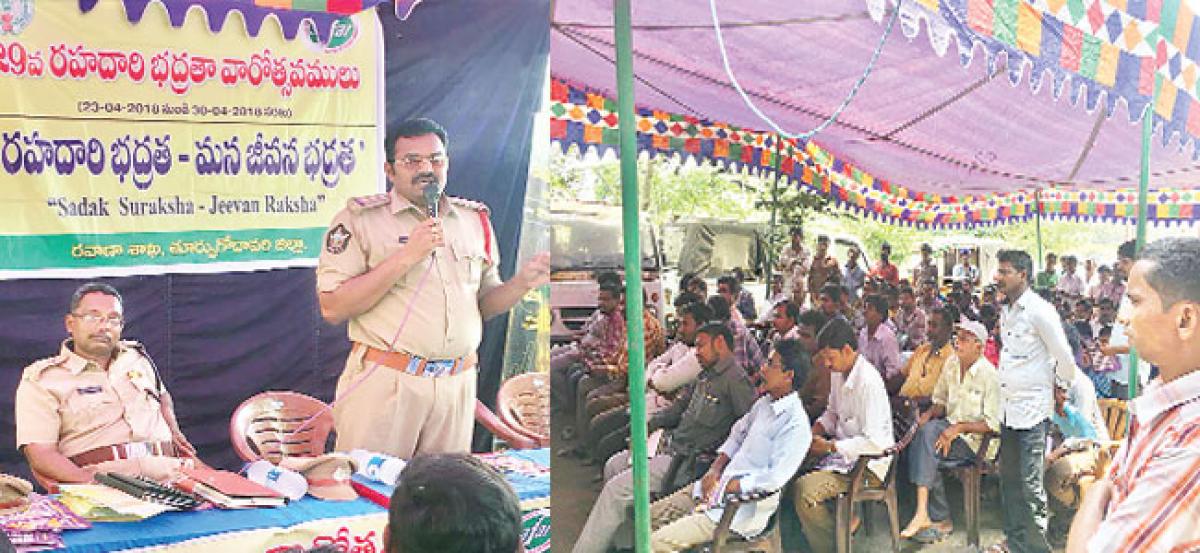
(273, 425)
(523, 404)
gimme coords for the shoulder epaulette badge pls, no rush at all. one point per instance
(360, 203)
(470, 204)
(35, 369)
(482, 210)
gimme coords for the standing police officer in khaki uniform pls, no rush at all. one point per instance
(100, 405)
(416, 290)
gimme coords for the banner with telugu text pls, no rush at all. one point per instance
(146, 148)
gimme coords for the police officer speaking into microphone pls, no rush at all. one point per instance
(415, 273)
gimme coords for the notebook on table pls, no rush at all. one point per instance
(227, 489)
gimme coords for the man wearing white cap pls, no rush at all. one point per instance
(966, 404)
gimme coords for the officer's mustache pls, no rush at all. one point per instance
(421, 178)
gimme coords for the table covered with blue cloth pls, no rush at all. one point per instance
(356, 525)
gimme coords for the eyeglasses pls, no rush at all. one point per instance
(413, 161)
(97, 319)
(955, 340)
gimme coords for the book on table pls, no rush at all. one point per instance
(227, 489)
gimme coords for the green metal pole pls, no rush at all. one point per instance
(1143, 209)
(774, 212)
(1037, 201)
(630, 225)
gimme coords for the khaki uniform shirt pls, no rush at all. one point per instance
(822, 270)
(70, 401)
(975, 397)
(445, 322)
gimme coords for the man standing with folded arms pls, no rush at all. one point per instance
(1035, 353)
(416, 287)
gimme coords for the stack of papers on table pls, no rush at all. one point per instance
(102, 503)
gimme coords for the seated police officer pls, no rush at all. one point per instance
(99, 405)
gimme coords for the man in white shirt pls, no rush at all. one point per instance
(857, 421)
(1035, 352)
(774, 296)
(1070, 282)
(764, 450)
(964, 270)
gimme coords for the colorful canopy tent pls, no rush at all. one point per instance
(955, 151)
(926, 141)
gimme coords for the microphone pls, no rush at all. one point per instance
(432, 194)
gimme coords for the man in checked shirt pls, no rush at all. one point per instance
(1151, 498)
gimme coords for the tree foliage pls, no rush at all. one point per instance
(668, 189)
(672, 190)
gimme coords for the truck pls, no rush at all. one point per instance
(586, 240)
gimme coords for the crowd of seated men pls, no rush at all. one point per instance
(788, 401)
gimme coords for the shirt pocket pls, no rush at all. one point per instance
(1020, 341)
(712, 410)
(470, 262)
(86, 408)
(972, 398)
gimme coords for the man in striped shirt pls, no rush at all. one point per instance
(1151, 498)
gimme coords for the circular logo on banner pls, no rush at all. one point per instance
(342, 34)
(15, 16)
(536, 535)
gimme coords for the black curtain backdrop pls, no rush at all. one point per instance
(476, 67)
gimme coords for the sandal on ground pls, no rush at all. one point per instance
(905, 535)
(945, 527)
(929, 535)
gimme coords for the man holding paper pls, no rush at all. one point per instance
(857, 421)
(697, 422)
(764, 450)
